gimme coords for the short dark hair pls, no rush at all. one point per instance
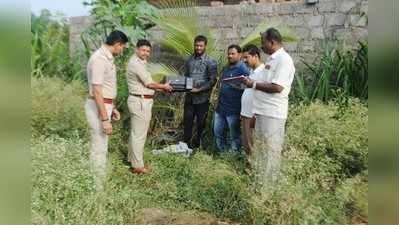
(252, 50)
(143, 42)
(199, 38)
(234, 46)
(272, 34)
(116, 36)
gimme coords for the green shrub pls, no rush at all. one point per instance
(64, 191)
(339, 71)
(324, 169)
(331, 132)
(57, 107)
(207, 184)
(50, 54)
(324, 157)
(353, 195)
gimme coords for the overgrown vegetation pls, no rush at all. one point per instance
(337, 72)
(131, 17)
(57, 108)
(50, 48)
(324, 168)
(324, 172)
(325, 149)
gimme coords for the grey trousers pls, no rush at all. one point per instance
(266, 153)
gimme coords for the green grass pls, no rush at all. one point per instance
(324, 170)
(64, 191)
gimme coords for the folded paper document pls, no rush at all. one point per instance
(237, 78)
(181, 149)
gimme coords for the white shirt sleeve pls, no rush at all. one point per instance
(284, 73)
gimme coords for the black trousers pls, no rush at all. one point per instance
(191, 112)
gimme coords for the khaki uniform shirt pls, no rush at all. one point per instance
(138, 77)
(101, 70)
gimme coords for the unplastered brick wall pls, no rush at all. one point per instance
(228, 2)
(328, 19)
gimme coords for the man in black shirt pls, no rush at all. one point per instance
(203, 70)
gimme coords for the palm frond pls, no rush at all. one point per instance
(159, 71)
(179, 33)
(178, 6)
(180, 23)
(254, 37)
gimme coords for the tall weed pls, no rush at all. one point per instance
(57, 107)
(337, 72)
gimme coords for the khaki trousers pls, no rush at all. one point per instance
(266, 154)
(140, 117)
(98, 141)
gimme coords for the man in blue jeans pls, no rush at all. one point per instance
(229, 103)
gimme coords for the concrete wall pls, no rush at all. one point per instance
(312, 23)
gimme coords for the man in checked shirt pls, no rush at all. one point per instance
(203, 70)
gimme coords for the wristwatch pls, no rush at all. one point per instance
(254, 85)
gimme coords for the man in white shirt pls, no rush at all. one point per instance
(270, 105)
(251, 57)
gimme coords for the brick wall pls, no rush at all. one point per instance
(227, 2)
(312, 23)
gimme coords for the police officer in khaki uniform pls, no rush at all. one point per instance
(141, 92)
(99, 107)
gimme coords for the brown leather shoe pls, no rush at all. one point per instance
(140, 170)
